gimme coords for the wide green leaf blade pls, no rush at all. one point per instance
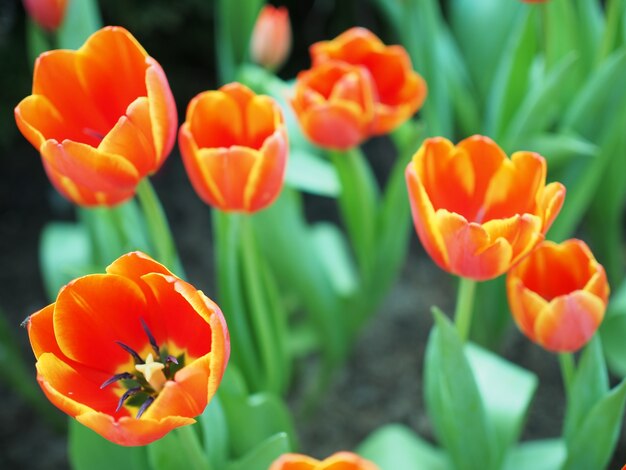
(590, 385)
(334, 252)
(178, 449)
(82, 19)
(506, 391)
(547, 454)
(311, 174)
(454, 403)
(613, 332)
(593, 443)
(89, 451)
(215, 433)
(396, 447)
(262, 456)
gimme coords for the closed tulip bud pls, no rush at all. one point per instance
(271, 38)
(234, 147)
(558, 295)
(48, 14)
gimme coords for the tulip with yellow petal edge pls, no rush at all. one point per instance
(338, 461)
(399, 91)
(558, 295)
(476, 212)
(234, 147)
(48, 14)
(103, 117)
(334, 104)
(131, 354)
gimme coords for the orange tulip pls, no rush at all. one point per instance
(234, 146)
(399, 90)
(338, 461)
(334, 103)
(48, 14)
(103, 117)
(271, 37)
(476, 212)
(558, 295)
(131, 354)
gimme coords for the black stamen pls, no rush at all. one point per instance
(115, 378)
(145, 406)
(171, 358)
(129, 393)
(131, 351)
(153, 342)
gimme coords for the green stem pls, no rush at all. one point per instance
(568, 367)
(261, 315)
(464, 307)
(226, 228)
(190, 445)
(358, 203)
(158, 227)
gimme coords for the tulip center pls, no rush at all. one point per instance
(148, 377)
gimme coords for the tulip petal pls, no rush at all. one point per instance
(215, 120)
(351, 46)
(130, 431)
(163, 112)
(522, 232)
(295, 462)
(266, 176)
(525, 305)
(41, 332)
(550, 202)
(75, 390)
(129, 140)
(93, 169)
(109, 307)
(186, 329)
(424, 219)
(336, 126)
(38, 120)
(569, 321)
(472, 253)
(260, 121)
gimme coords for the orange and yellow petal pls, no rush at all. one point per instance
(338, 461)
(130, 431)
(569, 322)
(41, 332)
(163, 114)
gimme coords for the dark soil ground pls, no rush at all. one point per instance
(381, 382)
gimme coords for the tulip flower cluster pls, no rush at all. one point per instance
(138, 355)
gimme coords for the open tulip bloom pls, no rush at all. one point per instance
(131, 354)
(476, 212)
(103, 117)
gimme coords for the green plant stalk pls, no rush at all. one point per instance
(190, 445)
(568, 368)
(358, 204)
(261, 314)
(226, 244)
(158, 227)
(464, 307)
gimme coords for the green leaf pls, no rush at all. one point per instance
(178, 449)
(65, 253)
(311, 174)
(262, 456)
(37, 41)
(546, 454)
(396, 447)
(512, 76)
(333, 250)
(454, 403)
(561, 149)
(88, 451)
(252, 419)
(613, 332)
(590, 385)
(593, 98)
(506, 391)
(215, 433)
(561, 32)
(593, 443)
(107, 241)
(82, 19)
(540, 106)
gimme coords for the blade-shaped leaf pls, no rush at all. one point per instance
(333, 250)
(547, 454)
(82, 19)
(311, 174)
(262, 456)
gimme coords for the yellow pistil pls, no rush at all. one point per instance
(153, 372)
